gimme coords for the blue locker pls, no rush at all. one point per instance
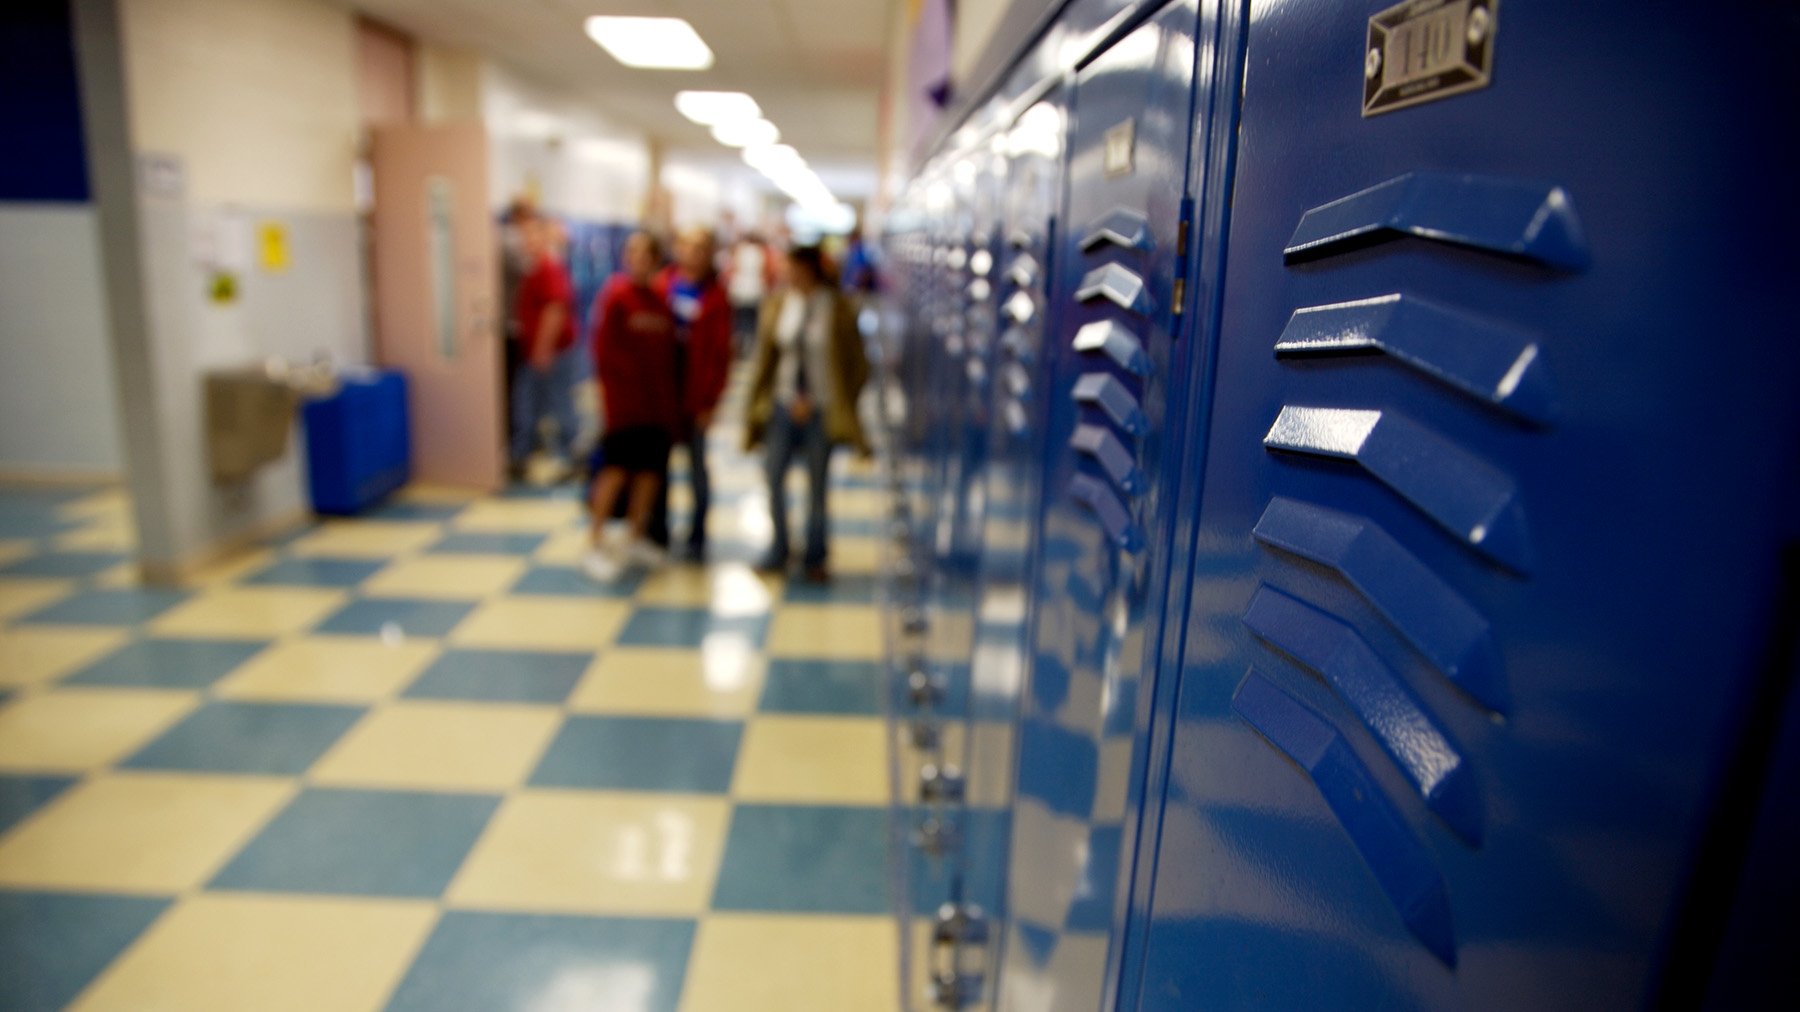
(1485, 577)
(1110, 461)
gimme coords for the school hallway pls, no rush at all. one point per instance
(415, 760)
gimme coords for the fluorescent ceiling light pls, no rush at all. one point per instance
(767, 158)
(709, 108)
(743, 133)
(651, 43)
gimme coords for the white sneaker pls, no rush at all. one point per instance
(600, 566)
(645, 553)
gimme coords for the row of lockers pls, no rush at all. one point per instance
(1344, 512)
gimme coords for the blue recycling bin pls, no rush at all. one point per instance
(358, 444)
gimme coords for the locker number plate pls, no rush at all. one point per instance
(1424, 50)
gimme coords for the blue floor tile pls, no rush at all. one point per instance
(168, 663)
(822, 686)
(482, 961)
(231, 737)
(571, 492)
(315, 572)
(501, 675)
(567, 581)
(861, 527)
(366, 843)
(24, 524)
(805, 859)
(291, 535)
(53, 944)
(22, 795)
(641, 754)
(63, 564)
(367, 616)
(844, 588)
(686, 627)
(415, 511)
(489, 543)
(110, 606)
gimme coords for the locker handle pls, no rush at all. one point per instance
(1104, 391)
(1425, 610)
(1497, 364)
(1116, 284)
(1121, 227)
(1410, 735)
(1112, 456)
(1114, 519)
(1116, 342)
(1470, 498)
(1531, 220)
(1401, 864)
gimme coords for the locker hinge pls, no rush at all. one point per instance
(1179, 290)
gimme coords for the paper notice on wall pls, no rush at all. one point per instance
(272, 246)
(233, 242)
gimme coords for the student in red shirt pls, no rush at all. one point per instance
(634, 360)
(703, 332)
(545, 326)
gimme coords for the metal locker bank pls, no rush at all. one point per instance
(1343, 546)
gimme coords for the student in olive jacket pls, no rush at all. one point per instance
(810, 368)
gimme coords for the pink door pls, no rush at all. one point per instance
(436, 282)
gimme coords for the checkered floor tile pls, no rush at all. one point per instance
(417, 761)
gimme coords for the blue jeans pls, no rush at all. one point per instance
(786, 440)
(537, 393)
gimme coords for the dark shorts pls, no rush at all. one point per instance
(637, 449)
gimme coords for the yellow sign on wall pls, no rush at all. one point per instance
(272, 246)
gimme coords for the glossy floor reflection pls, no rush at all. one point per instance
(415, 761)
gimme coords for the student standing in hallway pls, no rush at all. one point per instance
(703, 321)
(634, 362)
(810, 368)
(748, 278)
(545, 319)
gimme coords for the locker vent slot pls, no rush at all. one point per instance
(1486, 360)
(1112, 456)
(1020, 308)
(1112, 514)
(1104, 391)
(1424, 609)
(1116, 284)
(1398, 859)
(1121, 227)
(1024, 271)
(1115, 342)
(1399, 722)
(1017, 342)
(1530, 220)
(1464, 494)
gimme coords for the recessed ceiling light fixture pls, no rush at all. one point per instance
(746, 132)
(710, 108)
(651, 43)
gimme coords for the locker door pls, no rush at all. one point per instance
(952, 865)
(1498, 479)
(1109, 352)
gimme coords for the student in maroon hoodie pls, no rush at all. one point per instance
(634, 359)
(703, 334)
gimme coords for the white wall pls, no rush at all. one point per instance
(556, 147)
(259, 96)
(57, 410)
